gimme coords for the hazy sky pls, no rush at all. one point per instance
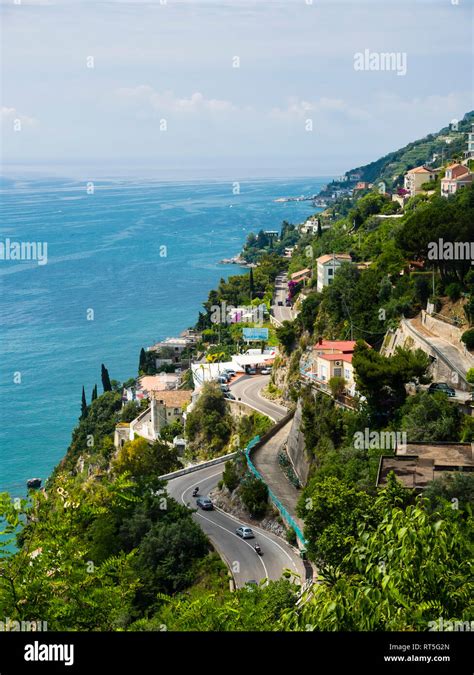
(171, 64)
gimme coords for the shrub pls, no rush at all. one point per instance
(254, 495)
(468, 338)
(291, 537)
(337, 384)
(453, 291)
(230, 477)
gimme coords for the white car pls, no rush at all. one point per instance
(265, 371)
(245, 532)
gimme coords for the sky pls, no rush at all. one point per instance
(228, 87)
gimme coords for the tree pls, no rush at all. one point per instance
(309, 311)
(254, 494)
(468, 338)
(332, 510)
(209, 424)
(409, 571)
(170, 431)
(94, 393)
(430, 417)
(140, 458)
(83, 404)
(105, 379)
(142, 363)
(286, 334)
(251, 285)
(382, 379)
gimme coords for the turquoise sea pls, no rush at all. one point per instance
(104, 255)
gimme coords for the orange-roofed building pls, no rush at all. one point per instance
(456, 176)
(415, 178)
(327, 265)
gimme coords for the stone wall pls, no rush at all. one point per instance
(296, 447)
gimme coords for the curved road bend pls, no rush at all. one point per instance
(247, 389)
(220, 528)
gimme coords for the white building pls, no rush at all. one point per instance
(327, 265)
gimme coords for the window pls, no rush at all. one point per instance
(330, 271)
(337, 372)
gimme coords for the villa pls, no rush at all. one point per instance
(332, 358)
(457, 176)
(415, 178)
(327, 266)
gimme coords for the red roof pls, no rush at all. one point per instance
(338, 345)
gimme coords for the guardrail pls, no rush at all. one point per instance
(284, 513)
(197, 467)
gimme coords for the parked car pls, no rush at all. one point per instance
(225, 388)
(230, 372)
(205, 503)
(441, 386)
(245, 532)
(251, 371)
(223, 379)
(228, 395)
(280, 303)
(265, 371)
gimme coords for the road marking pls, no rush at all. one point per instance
(224, 528)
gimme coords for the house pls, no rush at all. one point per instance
(363, 185)
(288, 251)
(170, 350)
(327, 266)
(456, 176)
(165, 407)
(469, 154)
(149, 383)
(332, 358)
(310, 226)
(415, 178)
(301, 275)
(417, 464)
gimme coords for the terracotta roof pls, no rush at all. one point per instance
(338, 256)
(300, 273)
(347, 346)
(420, 169)
(174, 398)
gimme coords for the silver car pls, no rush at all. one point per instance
(244, 532)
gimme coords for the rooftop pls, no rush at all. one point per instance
(337, 256)
(345, 346)
(173, 398)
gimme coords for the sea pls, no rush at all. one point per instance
(128, 262)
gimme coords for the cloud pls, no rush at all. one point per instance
(148, 99)
(323, 106)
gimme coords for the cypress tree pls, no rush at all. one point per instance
(320, 229)
(94, 393)
(83, 404)
(142, 362)
(105, 379)
(251, 284)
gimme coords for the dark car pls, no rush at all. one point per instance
(205, 503)
(441, 386)
(228, 395)
(280, 303)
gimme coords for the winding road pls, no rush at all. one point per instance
(220, 527)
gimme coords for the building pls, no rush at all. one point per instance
(165, 407)
(363, 185)
(149, 383)
(457, 176)
(310, 226)
(170, 350)
(327, 266)
(417, 464)
(415, 178)
(332, 358)
(469, 154)
(301, 275)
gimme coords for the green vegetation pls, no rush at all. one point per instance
(209, 424)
